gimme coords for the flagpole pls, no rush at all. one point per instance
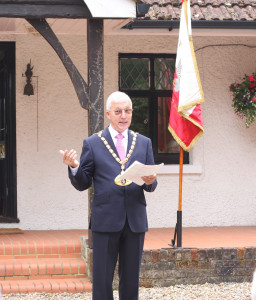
(178, 228)
(185, 121)
(179, 212)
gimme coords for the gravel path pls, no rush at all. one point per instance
(223, 291)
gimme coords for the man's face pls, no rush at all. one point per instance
(120, 115)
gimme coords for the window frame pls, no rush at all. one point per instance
(152, 94)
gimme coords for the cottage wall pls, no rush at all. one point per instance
(218, 185)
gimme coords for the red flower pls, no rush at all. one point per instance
(251, 85)
(252, 78)
(254, 99)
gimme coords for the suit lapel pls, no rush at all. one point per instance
(107, 136)
(130, 138)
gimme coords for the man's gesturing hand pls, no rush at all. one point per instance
(69, 158)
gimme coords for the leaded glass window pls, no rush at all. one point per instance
(140, 116)
(164, 73)
(148, 80)
(134, 73)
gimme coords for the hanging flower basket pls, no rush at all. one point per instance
(244, 98)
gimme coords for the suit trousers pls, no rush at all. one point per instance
(107, 247)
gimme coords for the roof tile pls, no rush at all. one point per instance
(251, 13)
(224, 13)
(237, 10)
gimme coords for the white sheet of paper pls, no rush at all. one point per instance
(138, 170)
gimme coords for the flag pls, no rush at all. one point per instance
(185, 122)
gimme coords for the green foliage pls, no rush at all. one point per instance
(244, 98)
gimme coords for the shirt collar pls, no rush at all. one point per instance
(114, 133)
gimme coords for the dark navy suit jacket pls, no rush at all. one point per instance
(112, 203)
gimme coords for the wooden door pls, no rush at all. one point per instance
(8, 181)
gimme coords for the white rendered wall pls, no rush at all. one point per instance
(222, 190)
(46, 199)
(218, 185)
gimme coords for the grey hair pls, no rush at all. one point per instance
(117, 97)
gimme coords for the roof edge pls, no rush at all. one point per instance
(173, 24)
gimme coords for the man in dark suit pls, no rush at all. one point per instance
(118, 214)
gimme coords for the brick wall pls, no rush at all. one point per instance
(167, 267)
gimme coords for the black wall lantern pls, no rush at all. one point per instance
(28, 89)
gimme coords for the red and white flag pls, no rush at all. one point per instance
(185, 122)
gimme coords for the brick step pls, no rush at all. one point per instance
(29, 268)
(42, 262)
(39, 247)
(65, 285)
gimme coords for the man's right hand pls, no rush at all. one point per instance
(69, 158)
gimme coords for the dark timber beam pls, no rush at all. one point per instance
(44, 9)
(96, 87)
(80, 85)
(95, 74)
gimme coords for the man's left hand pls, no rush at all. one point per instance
(149, 179)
